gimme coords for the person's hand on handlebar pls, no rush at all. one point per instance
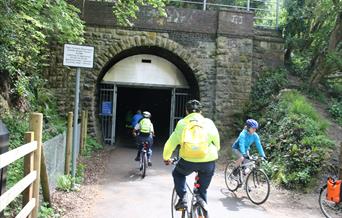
(171, 161)
(167, 162)
(246, 157)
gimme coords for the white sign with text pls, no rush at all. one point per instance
(78, 56)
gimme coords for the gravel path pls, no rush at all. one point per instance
(122, 193)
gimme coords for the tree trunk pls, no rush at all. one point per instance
(4, 85)
(321, 69)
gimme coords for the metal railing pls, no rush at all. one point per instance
(267, 12)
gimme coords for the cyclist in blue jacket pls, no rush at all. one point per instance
(242, 144)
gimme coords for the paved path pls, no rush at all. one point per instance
(123, 194)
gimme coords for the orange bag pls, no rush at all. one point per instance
(334, 192)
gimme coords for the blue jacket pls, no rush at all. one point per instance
(245, 140)
(136, 118)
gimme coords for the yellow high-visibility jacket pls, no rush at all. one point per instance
(175, 139)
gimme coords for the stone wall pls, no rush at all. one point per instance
(223, 58)
(268, 51)
(234, 70)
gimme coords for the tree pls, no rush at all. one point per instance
(313, 33)
(126, 11)
(28, 28)
(329, 61)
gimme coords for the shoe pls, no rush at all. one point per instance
(149, 163)
(182, 204)
(137, 159)
(236, 172)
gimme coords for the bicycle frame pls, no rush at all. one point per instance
(251, 164)
(144, 151)
(143, 159)
(195, 199)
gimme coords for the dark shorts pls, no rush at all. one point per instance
(237, 153)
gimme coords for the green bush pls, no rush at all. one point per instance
(270, 83)
(296, 140)
(47, 212)
(292, 131)
(335, 109)
(64, 183)
(91, 146)
(80, 173)
(295, 103)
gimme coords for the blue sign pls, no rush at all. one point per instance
(107, 108)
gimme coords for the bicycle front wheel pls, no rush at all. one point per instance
(232, 182)
(257, 186)
(199, 212)
(330, 209)
(174, 213)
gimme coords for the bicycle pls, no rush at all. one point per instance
(143, 159)
(257, 184)
(198, 207)
(329, 208)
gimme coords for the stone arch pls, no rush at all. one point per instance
(105, 58)
(160, 46)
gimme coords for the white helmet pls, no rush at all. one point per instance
(147, 114)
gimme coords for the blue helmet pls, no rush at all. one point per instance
(250, 123)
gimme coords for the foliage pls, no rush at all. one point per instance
(268, 84)
(17, 124)
(91, 146)
(125, 11)
(45, 211)
(64, 183)
(28, 28)
(297, 144)
(335, 109)
(314, 93)
(292, 132)
(311, 31)
(80, 173)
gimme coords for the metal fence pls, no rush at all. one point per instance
(267, 12)
(54, 151)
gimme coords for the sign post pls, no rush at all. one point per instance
(80, 57)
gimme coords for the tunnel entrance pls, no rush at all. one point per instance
(147, 82)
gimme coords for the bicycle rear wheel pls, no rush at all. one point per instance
(257, 186)
(144, 164)
(232, 182)
(174, 213)
(329, 209)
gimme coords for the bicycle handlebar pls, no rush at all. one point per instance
(174, 160)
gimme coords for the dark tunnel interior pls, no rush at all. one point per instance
(156, 101)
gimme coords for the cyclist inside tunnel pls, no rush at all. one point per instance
(144, 132)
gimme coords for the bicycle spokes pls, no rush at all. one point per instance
(257, 186)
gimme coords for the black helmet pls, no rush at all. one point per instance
(193, 106)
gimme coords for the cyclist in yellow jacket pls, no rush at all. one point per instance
(200, 158)
(144, 131)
